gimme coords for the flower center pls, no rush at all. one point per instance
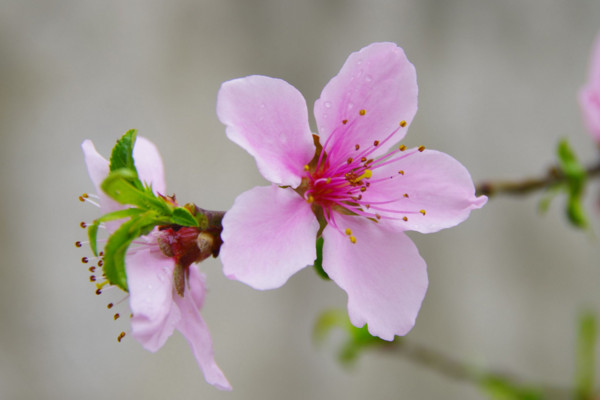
(340, 180)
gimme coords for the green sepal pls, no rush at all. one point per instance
(182, 216)
(585, 367)
(576, 179)
(318, 264)
(93, 228)
(120, 186)
(118, 243)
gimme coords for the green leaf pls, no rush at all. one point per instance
(122, 154)
(118, 185)
(585, 369)
(182, 216)
(118, 243)
(93, 228)
(318, 265)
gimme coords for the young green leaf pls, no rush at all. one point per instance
(318, 265)
(182, 216)
(93, 228)
(122, 154)
(118, 186)
(576, 180)
(585, 370)
(119, 241)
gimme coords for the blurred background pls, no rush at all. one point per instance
(498, 82)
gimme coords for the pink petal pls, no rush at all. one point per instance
(269, 234)
(382, 273)
(192, 326)
(434, 182)
(378, 79)
(589, 96)
(150, 277)
(269, 119)
(97, 167)
(149, 164)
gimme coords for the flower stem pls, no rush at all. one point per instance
(526, 186)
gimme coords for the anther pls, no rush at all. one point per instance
(403, 123)
(350, 160)
(83, 225)
(345, 121)
(101, 254)
(116, 316)
(367, 206)
(109, 305)
(120, 337)
(353, 239)
(401, 172)
(348, 231)
(92, 269)
(310, 198)
(356, 147)
(406, 195)
(328, 180)
(306, 167)
(363, 159)
(84, 260)
(100, 263)
(78, 244)
(402, 147)
(376, 143)
(83, 197)
(93, 278)
(363, 189)
(377, 216)
(362, 112)
(98, 292)
(421, 148)
(422, 212)
(404, 219)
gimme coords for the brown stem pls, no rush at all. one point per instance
(527, 186)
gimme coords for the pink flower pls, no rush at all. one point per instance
(589, 96)
(156, 306)
(341, 185)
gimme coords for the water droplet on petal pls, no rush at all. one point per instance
(327, 104)
(350, 106)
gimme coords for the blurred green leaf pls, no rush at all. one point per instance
(576, 179)
(502, 389)
(357, 339)
(585, 368)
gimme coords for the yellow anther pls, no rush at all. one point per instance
(348, 231)
(421, 148)
(422, 212)
(310, 199)
(353, 239)
(350, 160)
(328, 180)
(356, 147)
(367, 174)
(401, 172)
(376, 143)
(404, 219)
(362, 112)
(403, 123)
(402, 147)
(306, 167)
(363, 189)
(406, 195)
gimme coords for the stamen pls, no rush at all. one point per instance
(348, 232)
(353, 239)
(402, 147)
(404, 219)
(109, 305)
(406, 195)
(93, 278)
(120, 337)
(345, 121)
(310, 198)
(78, 244)
(92, 269)
(84, 260)
(401, 172)
(83, 197)
(83, 225)
(422, 212)
(116, 316)
(362, 112)
(403, 123)
(356, 147)
(376, 143)
(350, 160)
(421, 148)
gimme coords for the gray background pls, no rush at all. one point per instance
(498, 83)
